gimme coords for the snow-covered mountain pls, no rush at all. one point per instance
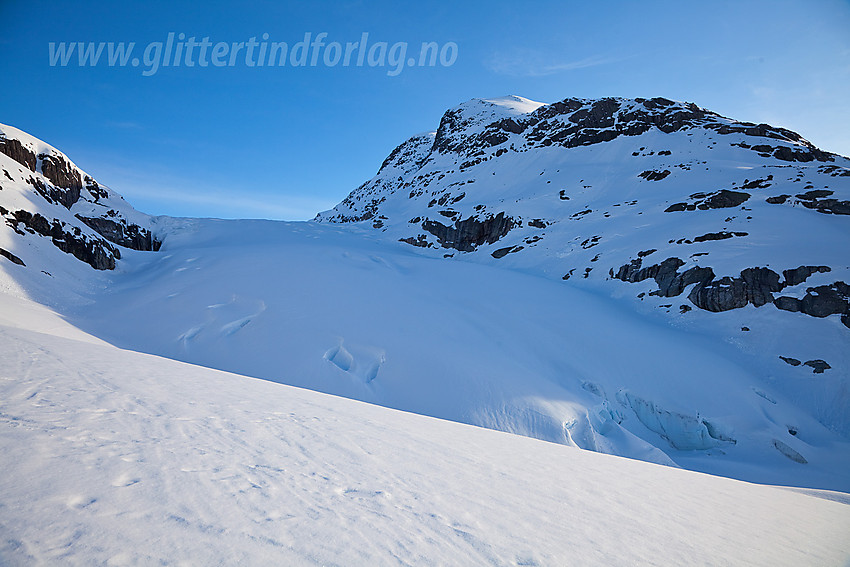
(47, 203)
(636, 277)
(632, 190)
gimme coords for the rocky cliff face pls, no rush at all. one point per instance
(664, 198)
(44, 195)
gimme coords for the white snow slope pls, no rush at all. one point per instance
(118, 458)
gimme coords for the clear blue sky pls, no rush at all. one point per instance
(286, 142)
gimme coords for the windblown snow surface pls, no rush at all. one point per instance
(119, 458)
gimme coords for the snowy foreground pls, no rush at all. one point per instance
(115, 457)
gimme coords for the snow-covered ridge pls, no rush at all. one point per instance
(482, 128)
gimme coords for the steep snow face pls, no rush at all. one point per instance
(48, 204)
(105, 451)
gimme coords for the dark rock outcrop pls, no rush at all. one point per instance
(801, 274)
(817, 365)
(15, 150)
(818, 200)
(96, 252)
(754, 286)
(15, 260)
(757, 183)
(468, 234)
(652, 175)
(717, 200)
(805, 153)
(722, 235)
(791, 304)
(502, 252)
(63, 176)
(834, 171)
(820, 301)
(814, 194)
(420, 241)
(50, 193)
(828, 206)
(95, 190)
(122, 233)
(777, 200)
(670, 282)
